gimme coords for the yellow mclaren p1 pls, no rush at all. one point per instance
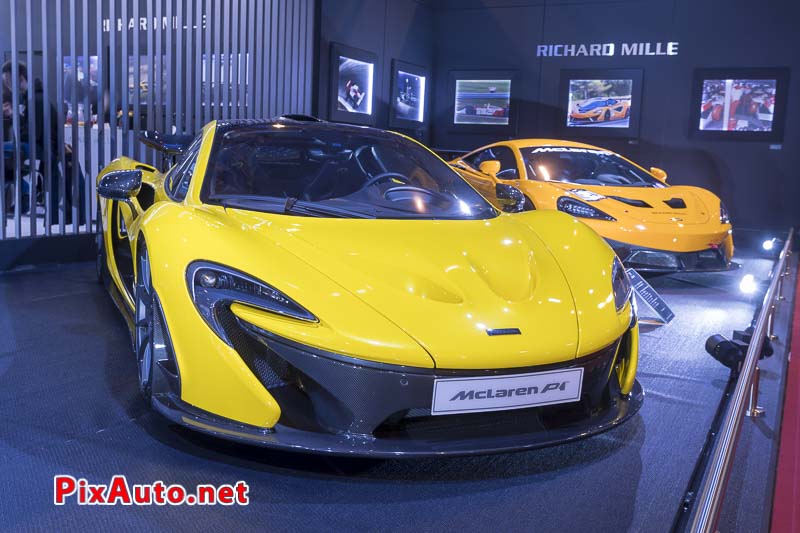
(652, 226)
(320, 287)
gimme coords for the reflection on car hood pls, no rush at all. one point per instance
(444, 283)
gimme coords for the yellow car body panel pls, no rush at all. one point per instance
(417, 294)
(694, 228)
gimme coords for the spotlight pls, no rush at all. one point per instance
(768, 245)
(729, 353)
(748, 284)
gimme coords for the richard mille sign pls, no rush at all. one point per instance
(669, 48)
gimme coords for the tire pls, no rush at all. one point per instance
(144, 322)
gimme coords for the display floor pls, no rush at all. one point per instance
(70, 405)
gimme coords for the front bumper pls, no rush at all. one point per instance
(655, 260)
(338, 405)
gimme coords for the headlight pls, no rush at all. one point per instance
(580, 209)
(724, 216)
(621, 284)
(215, 287)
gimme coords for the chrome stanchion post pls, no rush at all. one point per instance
(771, 322)
(753, 409)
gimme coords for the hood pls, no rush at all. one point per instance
(649, 205)
(444, 283)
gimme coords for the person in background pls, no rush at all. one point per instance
(44, 143)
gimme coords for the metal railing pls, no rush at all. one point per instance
(707, 507)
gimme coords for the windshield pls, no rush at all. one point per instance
(336, 173)
(584, 166)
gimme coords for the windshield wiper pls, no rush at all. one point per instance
(290, 206)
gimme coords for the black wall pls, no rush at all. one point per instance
(393, 29)
(760, 185)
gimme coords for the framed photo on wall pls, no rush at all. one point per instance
(410, 88)
(739, 103)
(600, 102)
(352, 79)
(483, 101)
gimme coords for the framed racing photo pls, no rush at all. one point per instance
(745, 104)
(600, 103)
(483, 101)
(352, 79)
(410, 89)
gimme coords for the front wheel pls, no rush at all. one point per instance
(144, 307)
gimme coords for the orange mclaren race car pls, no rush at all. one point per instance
(652, 226)
(600, 110)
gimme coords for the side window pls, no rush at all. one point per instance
(475, 159)
(503, 154)
(508, 163)
(180, 177)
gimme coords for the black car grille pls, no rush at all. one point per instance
(271, 370)
(418, 423)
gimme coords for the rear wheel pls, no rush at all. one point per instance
(144, 308)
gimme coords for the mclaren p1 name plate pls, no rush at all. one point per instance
(499, 393)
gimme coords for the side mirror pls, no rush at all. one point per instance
(511, 199)
(168, 144)
(171, 145)
(490, 167)
(659, 174)
(120, 185)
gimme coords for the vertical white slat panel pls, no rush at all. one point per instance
(149, 122)
(179, 73)
(100, 149)
(33, 154)
(225, 78)
(233, 67)
(198, 66)
(124, 69)
(254, 28)
(188, 53)
(111, 76)
(169, 80)
(75, 155)
(59, 62)
(137, 80)
(48, 133)
(208, 64)
(87, 165)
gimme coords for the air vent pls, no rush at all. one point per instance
(676, 203)
(145, 168)
(631, 201)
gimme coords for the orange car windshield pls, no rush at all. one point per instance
(584, 166)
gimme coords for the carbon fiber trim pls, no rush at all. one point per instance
(666, 261)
